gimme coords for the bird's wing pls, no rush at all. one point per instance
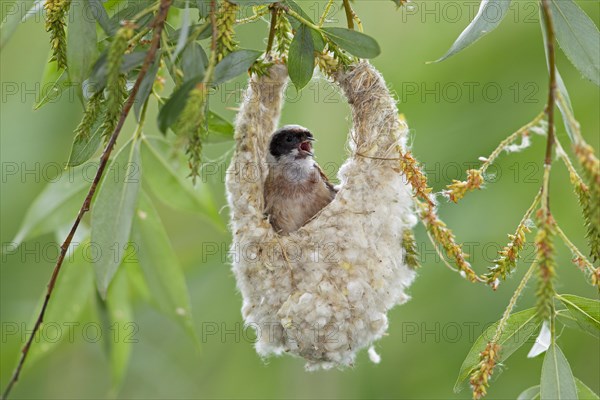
(325, 179)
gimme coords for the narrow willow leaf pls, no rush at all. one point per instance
(519, 328)
(122, 328)
(13, 16)
(99, 12)
(139, 287)
(533, 393)
(219, 129)
(167, 181)
(54, 82)
(301, 57)
(565, 109)
(74, 289)
(113, 210)
(578, 37)
(193, 60)
(490, 15)
(565, 317)
(205, 32)
(146, 86)
(585, 311)
(203, 8)
(170, 111)
(234, 64)
(584, 392)
(183, 31)
(353, 42)
(56, 205)
(128, 13)
(318, 41)
(160, 266)
(99, 73)
(557, 381)
(81, 44)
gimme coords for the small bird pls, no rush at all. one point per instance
(296, 188)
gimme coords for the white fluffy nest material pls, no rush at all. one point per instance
(323, 292)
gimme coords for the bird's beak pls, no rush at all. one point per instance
(306, 147)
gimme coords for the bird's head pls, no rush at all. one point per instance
(292, 141)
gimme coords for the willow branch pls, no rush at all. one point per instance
(349, 14)
(274, 13)
(550, 105)
(158, 25)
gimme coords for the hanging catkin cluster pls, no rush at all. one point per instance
(323, 292)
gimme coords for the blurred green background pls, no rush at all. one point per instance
(457, 110)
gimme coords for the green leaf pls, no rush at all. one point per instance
(567, 319)
(519, 328)
(160, 266)
(98, 77)
(585, 311)
(557, 379)
(578, 37)
(122, 327)
(13, 16)
(203, 8)
(193, 60)
(354, 42)
(146, 86)
(99, 12)
(565, 109)
(219, 129)
(81, 44)
(74, 288)
(584, 392)
(168, 183)
(533, 393)
(234, 64)
(490, 15)
(301, 58)
(204, 33)
(56, 205)
(170, 111)
(54, 82)
(133, 8)
(113, 210)
(318, 40)
(183, 31)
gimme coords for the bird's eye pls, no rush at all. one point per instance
(289, 138)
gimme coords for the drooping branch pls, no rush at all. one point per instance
(158, 25)
(349, 14)
(550, 105)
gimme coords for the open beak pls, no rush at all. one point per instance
(306, 147)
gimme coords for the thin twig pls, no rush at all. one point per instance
(325, 13)
(550, 105)
(274, 12)
(576, 252)
(513, 302)
(158, 25)
(560, 151)
(514, 136)
(349, 14)
(261, 11)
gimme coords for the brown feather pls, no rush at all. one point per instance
(291, 200)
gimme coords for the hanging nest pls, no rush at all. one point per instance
(323, 291)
